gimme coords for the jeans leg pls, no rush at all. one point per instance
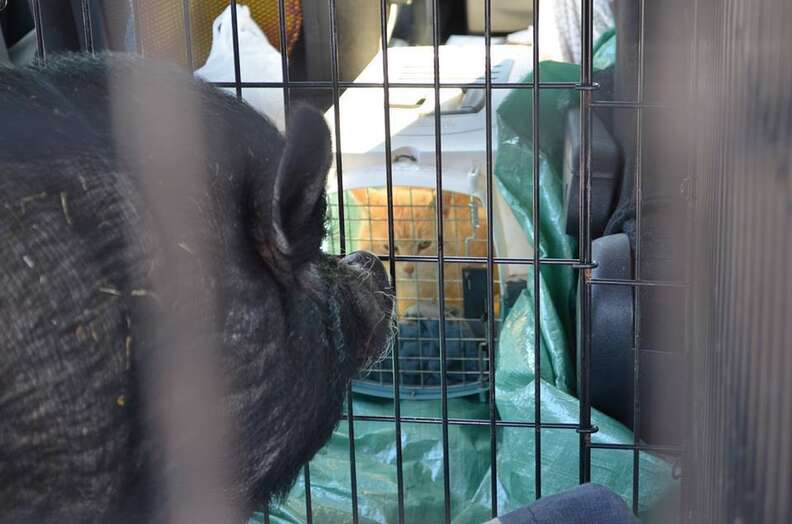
(584, 504)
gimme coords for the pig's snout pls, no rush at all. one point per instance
(370, 265)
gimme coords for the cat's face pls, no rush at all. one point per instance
(414, 232)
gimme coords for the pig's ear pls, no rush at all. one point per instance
(298, 199)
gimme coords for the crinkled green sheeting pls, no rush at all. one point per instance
(560, 454)
(376, 468)
(515, 360)
(560, 449)
(605, 55)
(558, 282)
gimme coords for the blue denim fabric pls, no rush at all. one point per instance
(584, 504)
(130, 38)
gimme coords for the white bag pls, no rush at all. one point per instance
(258, 62)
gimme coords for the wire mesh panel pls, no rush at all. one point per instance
(456, 254)
(440, 251)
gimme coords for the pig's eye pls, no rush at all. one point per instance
(424, 245)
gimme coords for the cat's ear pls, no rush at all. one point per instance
(448, 201)
(376, 200)
(292, 234)
(361, 195)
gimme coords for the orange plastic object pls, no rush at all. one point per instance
(162, 33)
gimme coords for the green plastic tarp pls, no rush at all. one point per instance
(469, 445)
(375, 454)
(514, 393)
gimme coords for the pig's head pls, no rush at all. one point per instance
(327, 317)
(353, 293)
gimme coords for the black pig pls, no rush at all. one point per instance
(172, 336)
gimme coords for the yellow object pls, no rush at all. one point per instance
(161, 26)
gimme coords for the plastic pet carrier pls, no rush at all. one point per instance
(414, 212)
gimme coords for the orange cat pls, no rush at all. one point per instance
(415, 233)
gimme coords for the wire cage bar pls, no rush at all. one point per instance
(584, 288)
